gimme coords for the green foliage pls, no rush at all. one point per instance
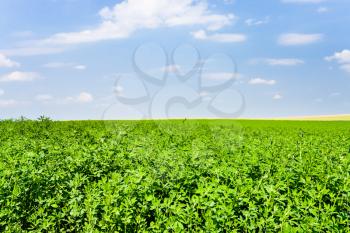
(174, 176)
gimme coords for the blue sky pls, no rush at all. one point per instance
(89, 59)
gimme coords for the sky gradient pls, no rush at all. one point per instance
(106, 59)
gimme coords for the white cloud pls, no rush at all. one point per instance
(277, 96)
(171, 68)
(219, 37)
(343, 58)
(11, 103)
(18, 76)
(283, 61)
(7, 103)
(58, 65)
(322, 10)
(2, 92)
(6, 62)
(83, 97)
(126, 17)
(118, 90)
(204, 94)
(303, 1)
(260, 81)
(31, 51)
(80, 67)
(256, 22)
(299, 39)
(220, 76)
(44, 97)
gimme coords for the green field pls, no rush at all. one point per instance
(175, 176)
(321, 118)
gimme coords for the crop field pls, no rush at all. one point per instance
(321, 118)
(174, 176)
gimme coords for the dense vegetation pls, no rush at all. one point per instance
(173, 176)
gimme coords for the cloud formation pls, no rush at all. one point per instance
(290, 39)
(260, 81)
(6, 62)
(4, 103)
(18, 76)
(342, 58)
(83, 97)
(58, 65)
(171, 68)
(220, 76)
(127, 17)
(8, 103)
(303, 1)
(219, 37)
(257, 22)
(277, 96)
(32, 50)
(44, 98)
(322, 10)
(283, 61)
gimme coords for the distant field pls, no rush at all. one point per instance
(175, 176)
(321, 118)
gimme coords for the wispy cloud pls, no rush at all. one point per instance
(80, 67)
(322, 10)
(7, 62)
(220, 76)
(44, 98)
(219, 37)
(283, 61)
(11, 103)
(260, 81)
(277, 96)
(83, 97)
(303, 1)
(58, 65)
(31, 50)
(18, 76)
(257, 22)
(289, 39)
(7, 103)
(171, 68)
